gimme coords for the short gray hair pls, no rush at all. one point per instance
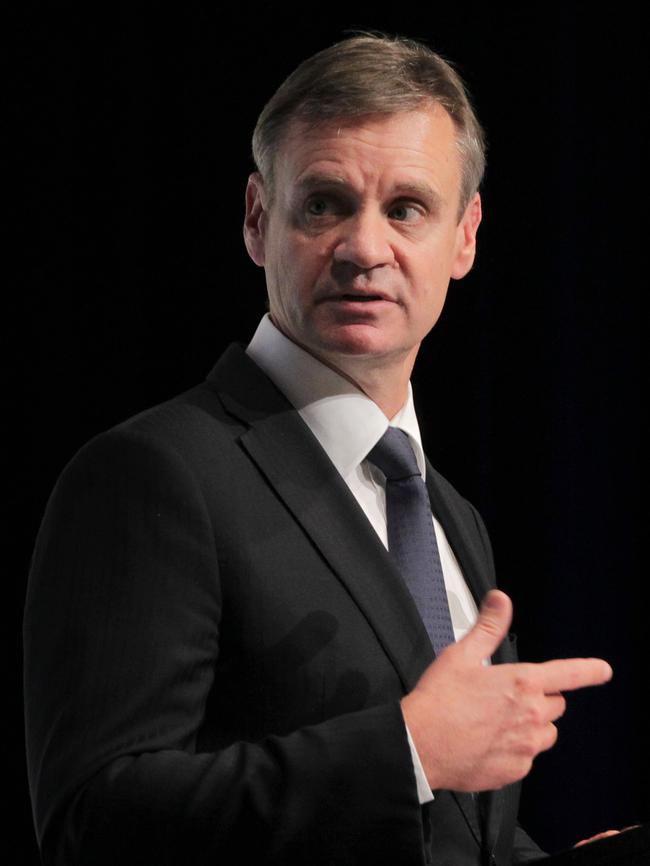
(369, 74)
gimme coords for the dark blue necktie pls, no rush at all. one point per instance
(411, 536)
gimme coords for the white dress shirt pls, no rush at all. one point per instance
(348, 424)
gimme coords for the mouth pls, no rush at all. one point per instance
(361, 299)
(358, 307)
(358, 298)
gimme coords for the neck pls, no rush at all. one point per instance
(384, 380)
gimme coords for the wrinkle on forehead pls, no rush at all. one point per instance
(340, 153)
(372, 126)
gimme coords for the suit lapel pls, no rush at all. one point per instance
(295, 465)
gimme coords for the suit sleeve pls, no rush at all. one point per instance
(122, 624)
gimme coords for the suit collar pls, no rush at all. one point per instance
(347, 423)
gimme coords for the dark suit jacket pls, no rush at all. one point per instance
(216, 645)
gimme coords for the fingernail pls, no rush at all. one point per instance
(491, 601)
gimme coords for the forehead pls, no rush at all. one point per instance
(418, 145)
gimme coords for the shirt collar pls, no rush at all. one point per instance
(346, 422)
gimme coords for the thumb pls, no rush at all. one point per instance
(490, 628)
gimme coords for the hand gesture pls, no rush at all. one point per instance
(479, 727)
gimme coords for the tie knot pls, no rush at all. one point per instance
(394, 456)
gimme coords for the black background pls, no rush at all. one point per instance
(133, 126)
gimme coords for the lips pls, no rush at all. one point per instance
(357, 297)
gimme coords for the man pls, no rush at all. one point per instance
(223, 661)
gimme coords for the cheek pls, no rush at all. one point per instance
(434, 271)
(434, 283)
(292, 275)
(305, 264)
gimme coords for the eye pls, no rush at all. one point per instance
(318, 206)
(404, 212)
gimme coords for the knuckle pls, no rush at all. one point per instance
(524, 683)
(534, 715)
(530, 747)
(490, 627)
(536, 740)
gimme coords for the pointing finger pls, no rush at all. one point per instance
(561, 675)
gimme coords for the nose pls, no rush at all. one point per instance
(364, 241)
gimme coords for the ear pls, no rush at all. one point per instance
(256, 218)
(466, 239)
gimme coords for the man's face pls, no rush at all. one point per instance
(362, 236)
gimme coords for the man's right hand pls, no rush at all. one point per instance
(479, 727)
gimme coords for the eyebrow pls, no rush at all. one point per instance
(406, 189)
(320, 181)
(411, 189)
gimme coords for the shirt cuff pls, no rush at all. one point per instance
(425, 794)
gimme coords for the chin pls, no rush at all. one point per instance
(350, 339)
(357, 342)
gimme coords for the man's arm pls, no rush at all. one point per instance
(122, 635)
